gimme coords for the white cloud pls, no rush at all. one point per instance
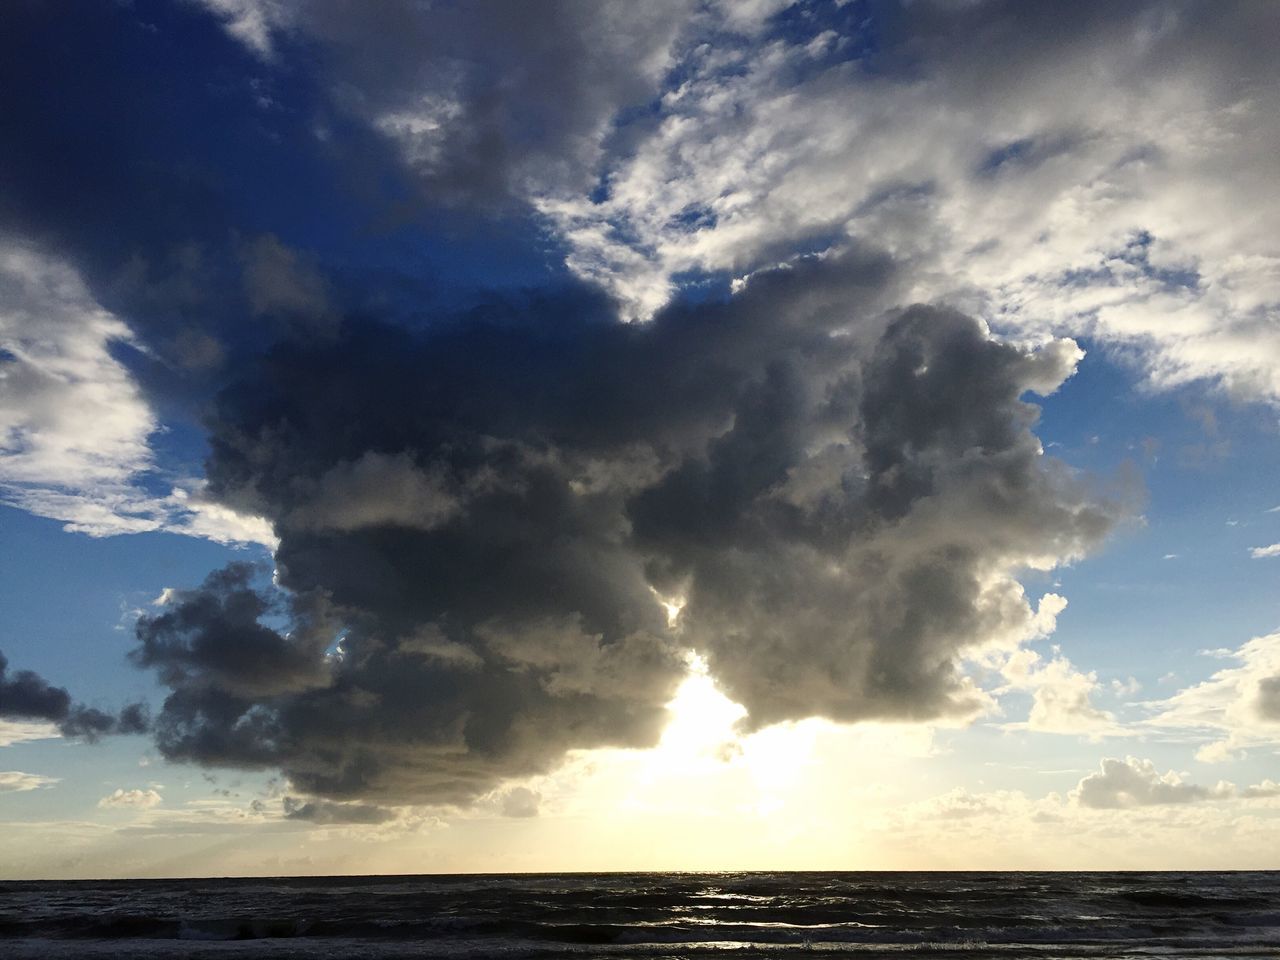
(1064, 189)
(74, 426)
(1259, 553)
(131, 799)
(1062, 702)
(1125, 688)
(69, 411)
(962, 804)
(1062, 696)
(1265, 789)
(252, 22)
(1236, 709)
(1007, 827)
(21, 731)
(15, 781)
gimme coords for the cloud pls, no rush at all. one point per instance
(251, 21)
(15, 781)
(1267, 702)
(961, 804)
(521, 802)
(279, 283)
(1132, 782)
(1056, 183)
(1267, 788)
(26, 696)
(74, 425)
(1235, 709)
(1129, 783)
(12, 732)
(122, 799)
(482, 98)
(1053, 831)
(328, 813)
(1062, 696)
(211, 639)
(1260, 553)
(483, 519)
(477, 522)
(377, 490)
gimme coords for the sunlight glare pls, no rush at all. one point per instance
(702, 718)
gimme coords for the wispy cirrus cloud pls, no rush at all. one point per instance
(15, 781)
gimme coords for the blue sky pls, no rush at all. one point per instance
(628, 436)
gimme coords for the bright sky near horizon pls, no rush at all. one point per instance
(690, 434)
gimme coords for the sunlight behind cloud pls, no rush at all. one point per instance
(702, 718)
(704, 737)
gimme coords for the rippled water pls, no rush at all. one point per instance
(1043, 915)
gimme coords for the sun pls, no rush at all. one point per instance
(702, 717)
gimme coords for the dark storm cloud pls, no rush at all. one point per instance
(25, 695)
(213, 637)
(840, 571)
(488, 515)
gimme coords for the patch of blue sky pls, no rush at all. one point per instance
(1136, 254)
(68, 601)
(86, 773)
(700, 286)
(1181, 578)
(832, 33)
(68, 604)
(1026, 153)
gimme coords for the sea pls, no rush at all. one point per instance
(656, 915)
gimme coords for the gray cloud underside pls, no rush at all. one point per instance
(488, 513)
(328, 813)
(1268, 702)
(1132, 783)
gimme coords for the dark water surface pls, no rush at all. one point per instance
(1042, 915)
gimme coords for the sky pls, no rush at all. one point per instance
(444, 437)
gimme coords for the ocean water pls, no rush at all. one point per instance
(1042, 915)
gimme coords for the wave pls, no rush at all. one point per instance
(655, 915)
